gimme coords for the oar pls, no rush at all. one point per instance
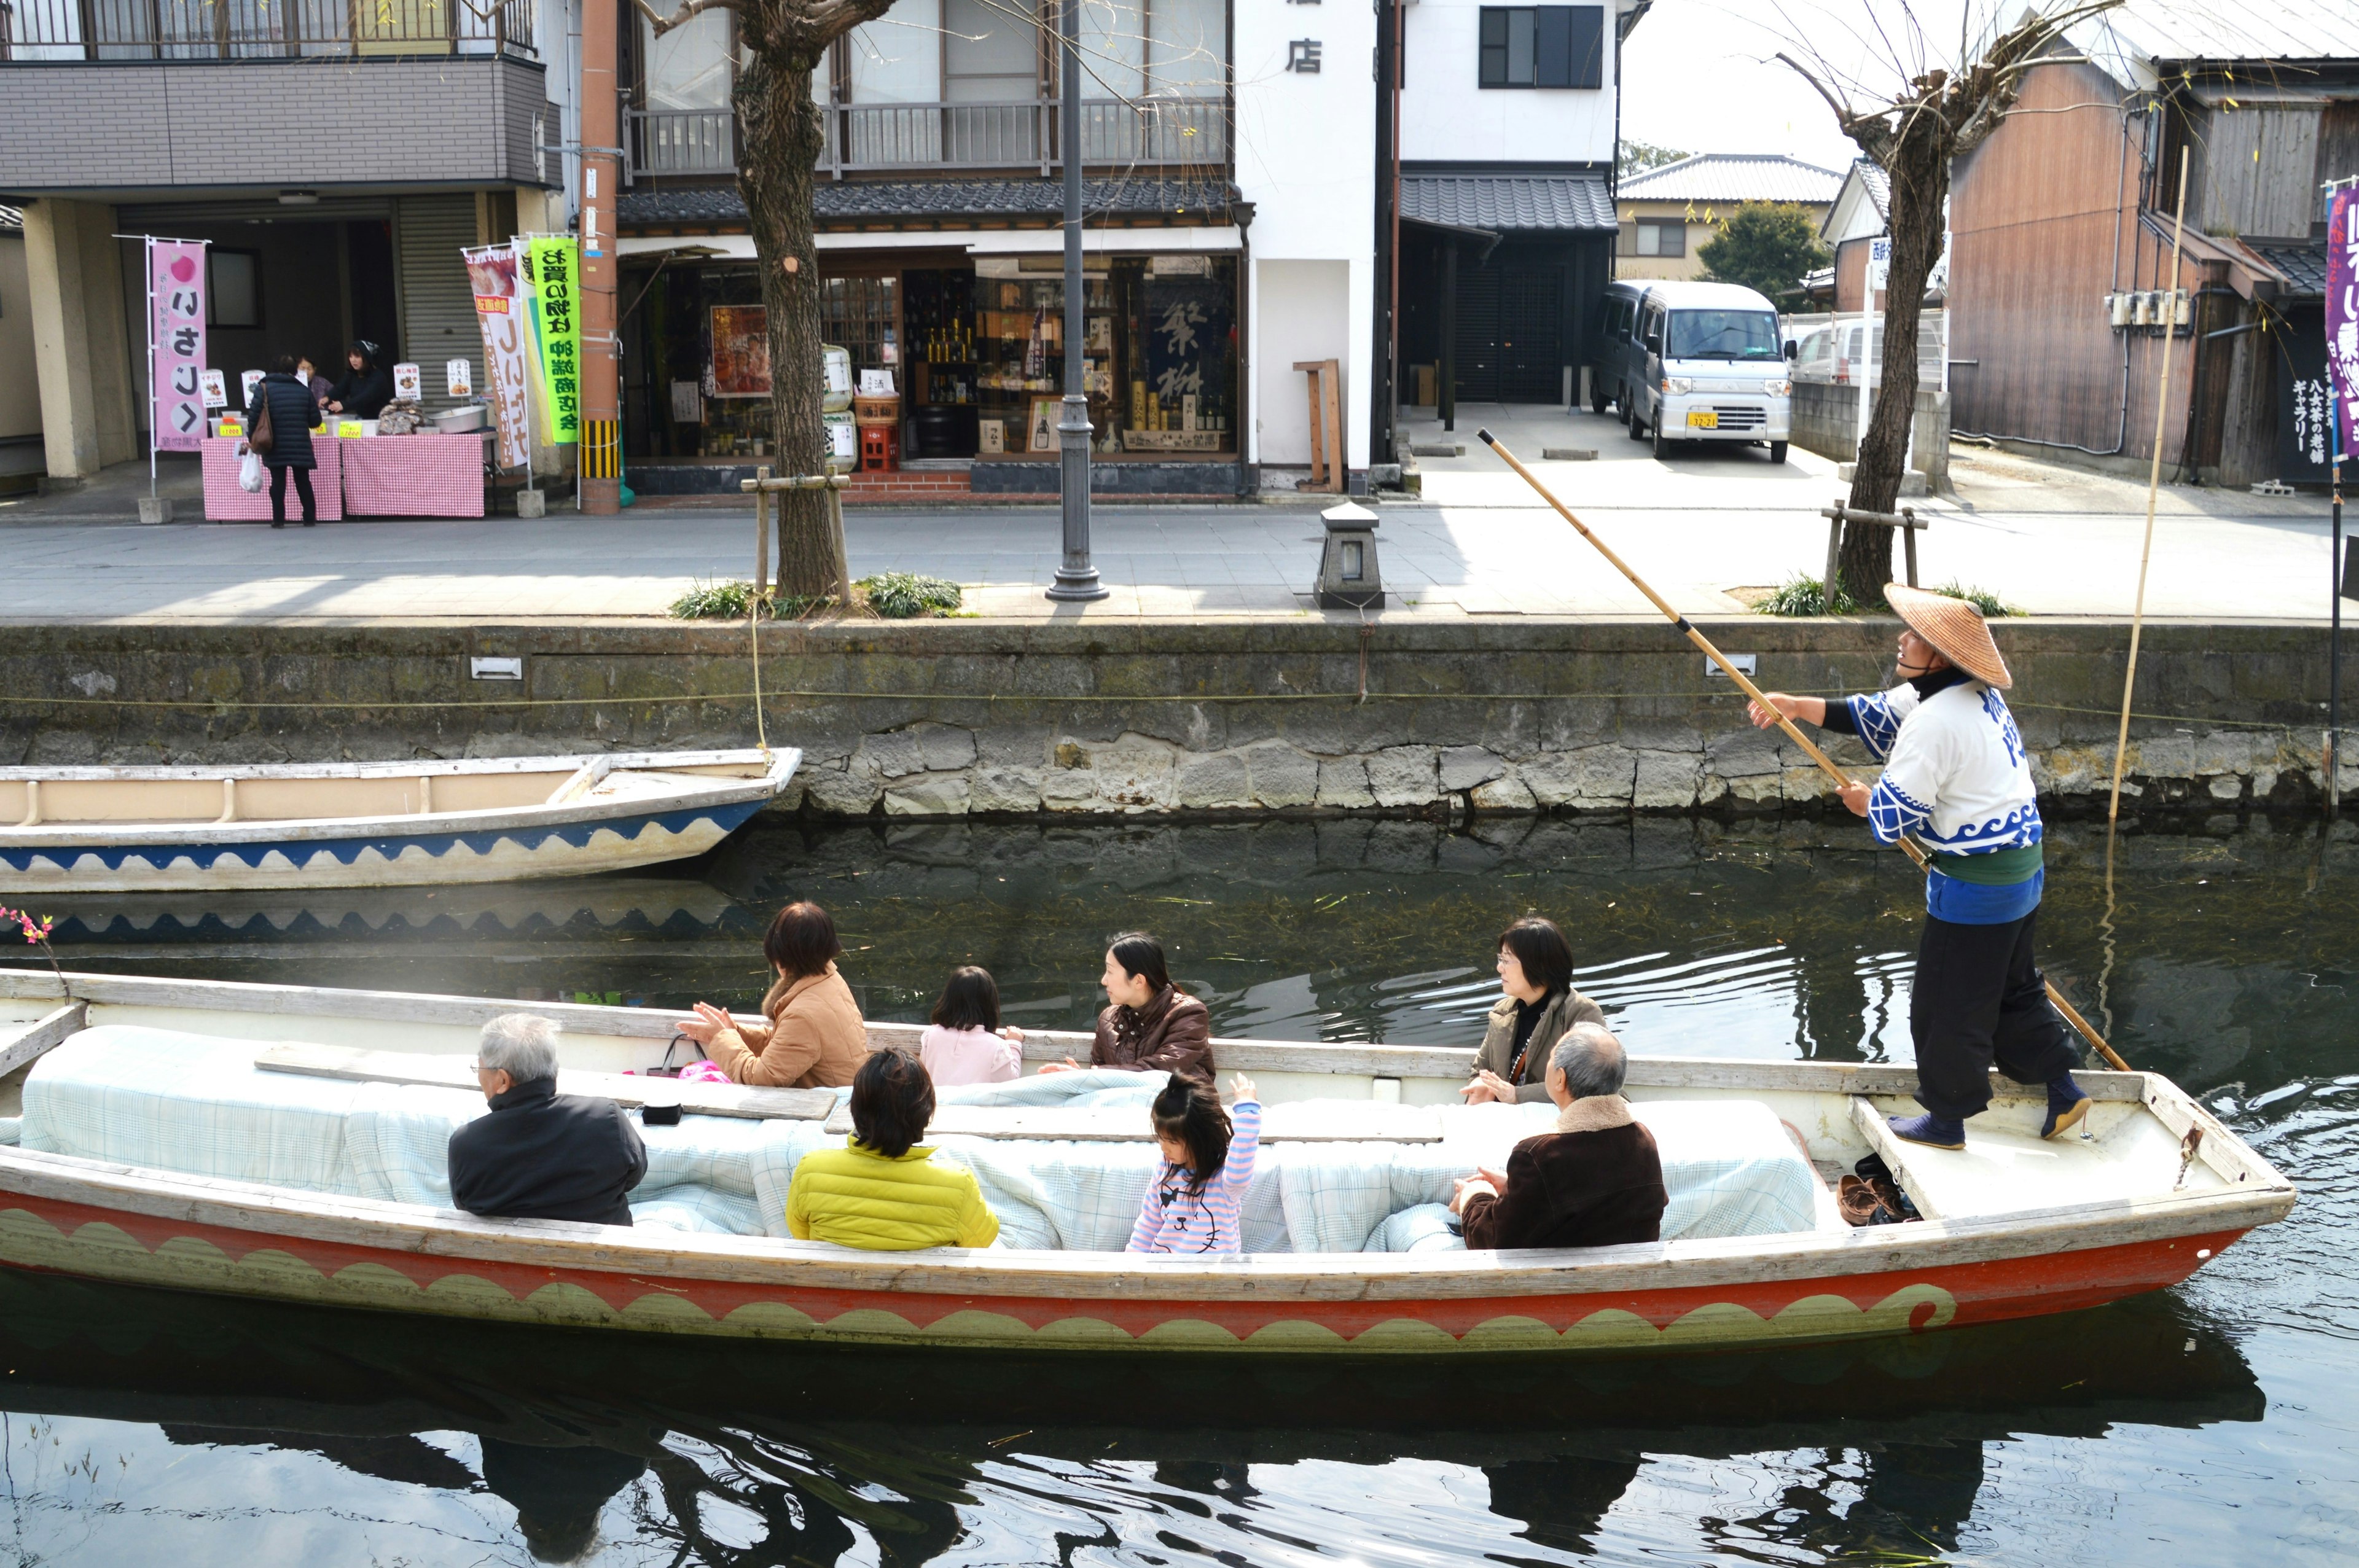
(1916, 852)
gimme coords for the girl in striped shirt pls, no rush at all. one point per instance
(1207, 1161)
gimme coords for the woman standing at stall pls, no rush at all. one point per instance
(366, 388)
(293, 418)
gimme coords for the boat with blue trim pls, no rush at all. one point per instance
(308, 825)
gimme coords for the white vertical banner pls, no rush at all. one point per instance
(499, 311)
(176, 344)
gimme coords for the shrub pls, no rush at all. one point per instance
(1800, 595)
(714, 601)
(1982, 599)
(899, 596)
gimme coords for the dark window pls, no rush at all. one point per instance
(1542, 46)
(235, 297)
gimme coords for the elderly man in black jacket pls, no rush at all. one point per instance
(541, 1154)
(1596, 1181)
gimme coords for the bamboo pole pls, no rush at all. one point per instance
(2153, 486)
(1910, 845)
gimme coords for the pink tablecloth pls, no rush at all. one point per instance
(414, 476)
(224, 502)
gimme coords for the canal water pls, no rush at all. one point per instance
(2213, 1423)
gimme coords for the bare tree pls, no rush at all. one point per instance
(1912, 134)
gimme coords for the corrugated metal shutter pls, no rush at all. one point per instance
(437, 306)
(159, 217)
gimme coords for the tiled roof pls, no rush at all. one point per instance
(2207, 30)
(2304, 266)
(1880, 185)
(1734, 177)
(1510, 203)
(836, 201)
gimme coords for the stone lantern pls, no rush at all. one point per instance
(1348, 579)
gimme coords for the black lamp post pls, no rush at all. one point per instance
(1076, 580)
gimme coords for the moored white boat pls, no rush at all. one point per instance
(289, 825)
(2013, 1226)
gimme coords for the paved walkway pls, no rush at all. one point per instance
(1705, 528)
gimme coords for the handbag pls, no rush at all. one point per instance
(259, 437)
(249, 473)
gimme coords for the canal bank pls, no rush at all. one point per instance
(1242, 717)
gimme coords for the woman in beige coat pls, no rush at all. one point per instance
(811, 1035)
(1539, 1006)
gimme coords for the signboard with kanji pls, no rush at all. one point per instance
(499, 310)
(176, 337)
(553, 272)
(2343, 304)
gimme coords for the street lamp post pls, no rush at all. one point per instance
(1077, 579)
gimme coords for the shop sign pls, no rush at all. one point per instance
(458, 378)
(553, 273)
(408, 384)
(176, 343)
(499, 311)
(2342, 306)
(247, 379)
(741, 351)
(216, 386)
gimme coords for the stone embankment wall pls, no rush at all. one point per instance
(956, 717)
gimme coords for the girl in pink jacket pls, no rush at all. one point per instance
(1208, 1162)
(965, 1045)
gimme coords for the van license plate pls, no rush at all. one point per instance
(1704, 420)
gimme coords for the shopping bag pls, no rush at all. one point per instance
(249, 473)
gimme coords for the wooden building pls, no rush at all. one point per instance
(2060, 288)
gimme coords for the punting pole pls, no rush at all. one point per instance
(2153, 485)
(1703, 644)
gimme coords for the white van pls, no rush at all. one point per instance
(1694, 361)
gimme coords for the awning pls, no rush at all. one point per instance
(1508, 203)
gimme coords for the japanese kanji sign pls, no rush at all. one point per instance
(176, 338)
(500, 312)
(554, 273)
(2343, 304)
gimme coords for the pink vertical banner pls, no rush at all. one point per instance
(176, 335)
(2343, 307)
(500, 311)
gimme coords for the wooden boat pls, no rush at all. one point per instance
(305, 824)
(2014, 1227)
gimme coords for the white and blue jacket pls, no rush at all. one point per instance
(1956, 778)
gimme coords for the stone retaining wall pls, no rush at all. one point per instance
(952, 718)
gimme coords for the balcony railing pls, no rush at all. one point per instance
(864, 138)
(40, 31)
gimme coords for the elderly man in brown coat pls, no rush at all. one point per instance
(1596, 1181)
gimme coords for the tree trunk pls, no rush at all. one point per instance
(1919, 172)
(784, 135)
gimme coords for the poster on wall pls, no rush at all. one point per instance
(1186, 322)
(741, 351)
(499, 311)
(552, 276)
(409, 386)
(176, 343)
(2343, 305)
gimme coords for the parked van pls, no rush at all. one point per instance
(1692, 362)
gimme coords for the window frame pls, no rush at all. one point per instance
(1563, 47)
(213, 290)
(1661, 227)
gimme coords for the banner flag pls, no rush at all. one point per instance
(500, 312)
(2342, 308)
(176, 340)
(553, 274)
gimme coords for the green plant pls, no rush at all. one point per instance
(1766, 247)
(1982, 599)
(717, 602)
(899, 596)
(1800, 595)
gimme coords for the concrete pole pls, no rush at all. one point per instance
(602, 400)
(1076, 578)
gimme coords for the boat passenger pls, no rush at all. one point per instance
(882, 1191)
(540, 1154)
(1148, 1024)
(1596, 1181)
(1539, 1006)
(1208, 1160)
(810, 1034)
(966, 1044)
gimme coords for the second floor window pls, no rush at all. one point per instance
(1655, 237)
(1542, 46)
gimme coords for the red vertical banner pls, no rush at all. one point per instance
(2343, 307)
(176, 337)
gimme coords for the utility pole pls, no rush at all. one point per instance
(601, 472)
(1077, 579)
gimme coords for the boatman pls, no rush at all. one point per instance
(1956, 778)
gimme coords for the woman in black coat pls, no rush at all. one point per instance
(367, 388)
(293, 416)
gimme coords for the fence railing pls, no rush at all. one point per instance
(871, 137)
(45, 31)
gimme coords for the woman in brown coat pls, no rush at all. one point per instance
(811, 1035)
(1149, 1025)
(1539, 1006)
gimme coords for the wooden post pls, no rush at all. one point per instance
(1909, 537)
(761, 531)
(1834, 554)
(1339, 448)
(1318, 437)
(842, 557)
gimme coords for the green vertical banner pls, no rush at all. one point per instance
(553, 268)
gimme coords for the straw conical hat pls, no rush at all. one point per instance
(1955, 628)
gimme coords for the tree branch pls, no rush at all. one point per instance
(686, 14)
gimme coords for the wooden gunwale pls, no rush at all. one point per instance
(552, 763)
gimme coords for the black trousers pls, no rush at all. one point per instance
(302, 493)
(1980, 1000)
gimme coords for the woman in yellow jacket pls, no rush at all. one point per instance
(882, 1191)
(810, 1034)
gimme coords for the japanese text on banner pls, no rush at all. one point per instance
(2343, 305)
(554, 272)
(499, 311)
(176, 333)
